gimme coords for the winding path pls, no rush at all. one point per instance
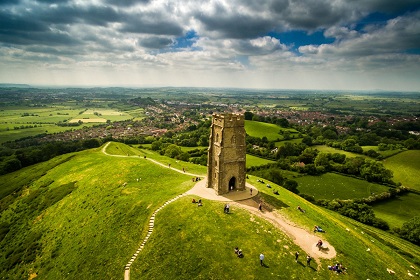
(244, 199)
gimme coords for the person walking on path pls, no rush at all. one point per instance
(308, 260)
(260, 207)
(250, 191)
(261, 259)
(296, 256)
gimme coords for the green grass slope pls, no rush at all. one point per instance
(405, 166)
(79, 221)
(336, 186)
(256, 161)
(85, 217)
(269, 130)
(399, 210)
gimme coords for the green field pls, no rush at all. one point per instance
(15, 121)
(256, 161)
(326, 149)
(83, 215)
(405, 166)
(331, 185)
(385, 154)
(399, 210)
(269, 130)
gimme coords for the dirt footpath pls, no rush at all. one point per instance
(303, 238)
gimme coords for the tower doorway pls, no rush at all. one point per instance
(232, 184)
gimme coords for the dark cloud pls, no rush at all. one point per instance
(94, 15)
(53, 1)
(156, 42)
(314, 14)
(14, 23)
(236, 26)
(151, 24)
(39, 38)
(389, 6)
(9, 2)
(126, 3)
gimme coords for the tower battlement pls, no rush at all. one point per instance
(229, 120)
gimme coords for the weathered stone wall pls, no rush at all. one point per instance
(226, 165)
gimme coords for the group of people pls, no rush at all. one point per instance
(238, 252)
(339, 268)
(199, 203)
(308, 259)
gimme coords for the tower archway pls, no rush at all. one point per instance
(232, 184)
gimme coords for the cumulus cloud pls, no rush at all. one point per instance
(241, 36)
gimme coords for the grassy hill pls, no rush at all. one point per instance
(405, 166)
(326, 149)
(269, 130)
(336, 186)
(83, 215)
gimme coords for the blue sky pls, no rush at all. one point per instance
(285, 44)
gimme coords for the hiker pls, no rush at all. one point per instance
(260, 207)
(308, 260)
(261, 259)
(296, 256)
(169, 165)
(250, 191)
(183, 170)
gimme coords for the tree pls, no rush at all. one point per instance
(291, 185)
(308, 155)
(329, 134)
(322, 159)
(374, 171)
(411, 230)
(307, 140)
(282, 122)
(172, 151)
(353, 165)
(156, 145)
(248, 115)
(91, 143)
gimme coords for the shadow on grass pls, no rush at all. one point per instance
(265, 266)
(313, 268)
(271, 202)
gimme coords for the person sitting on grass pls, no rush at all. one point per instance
(318, 229)
(319, 244)
(300, 209)
(238, 252)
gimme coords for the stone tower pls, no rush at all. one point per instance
(226, 169)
